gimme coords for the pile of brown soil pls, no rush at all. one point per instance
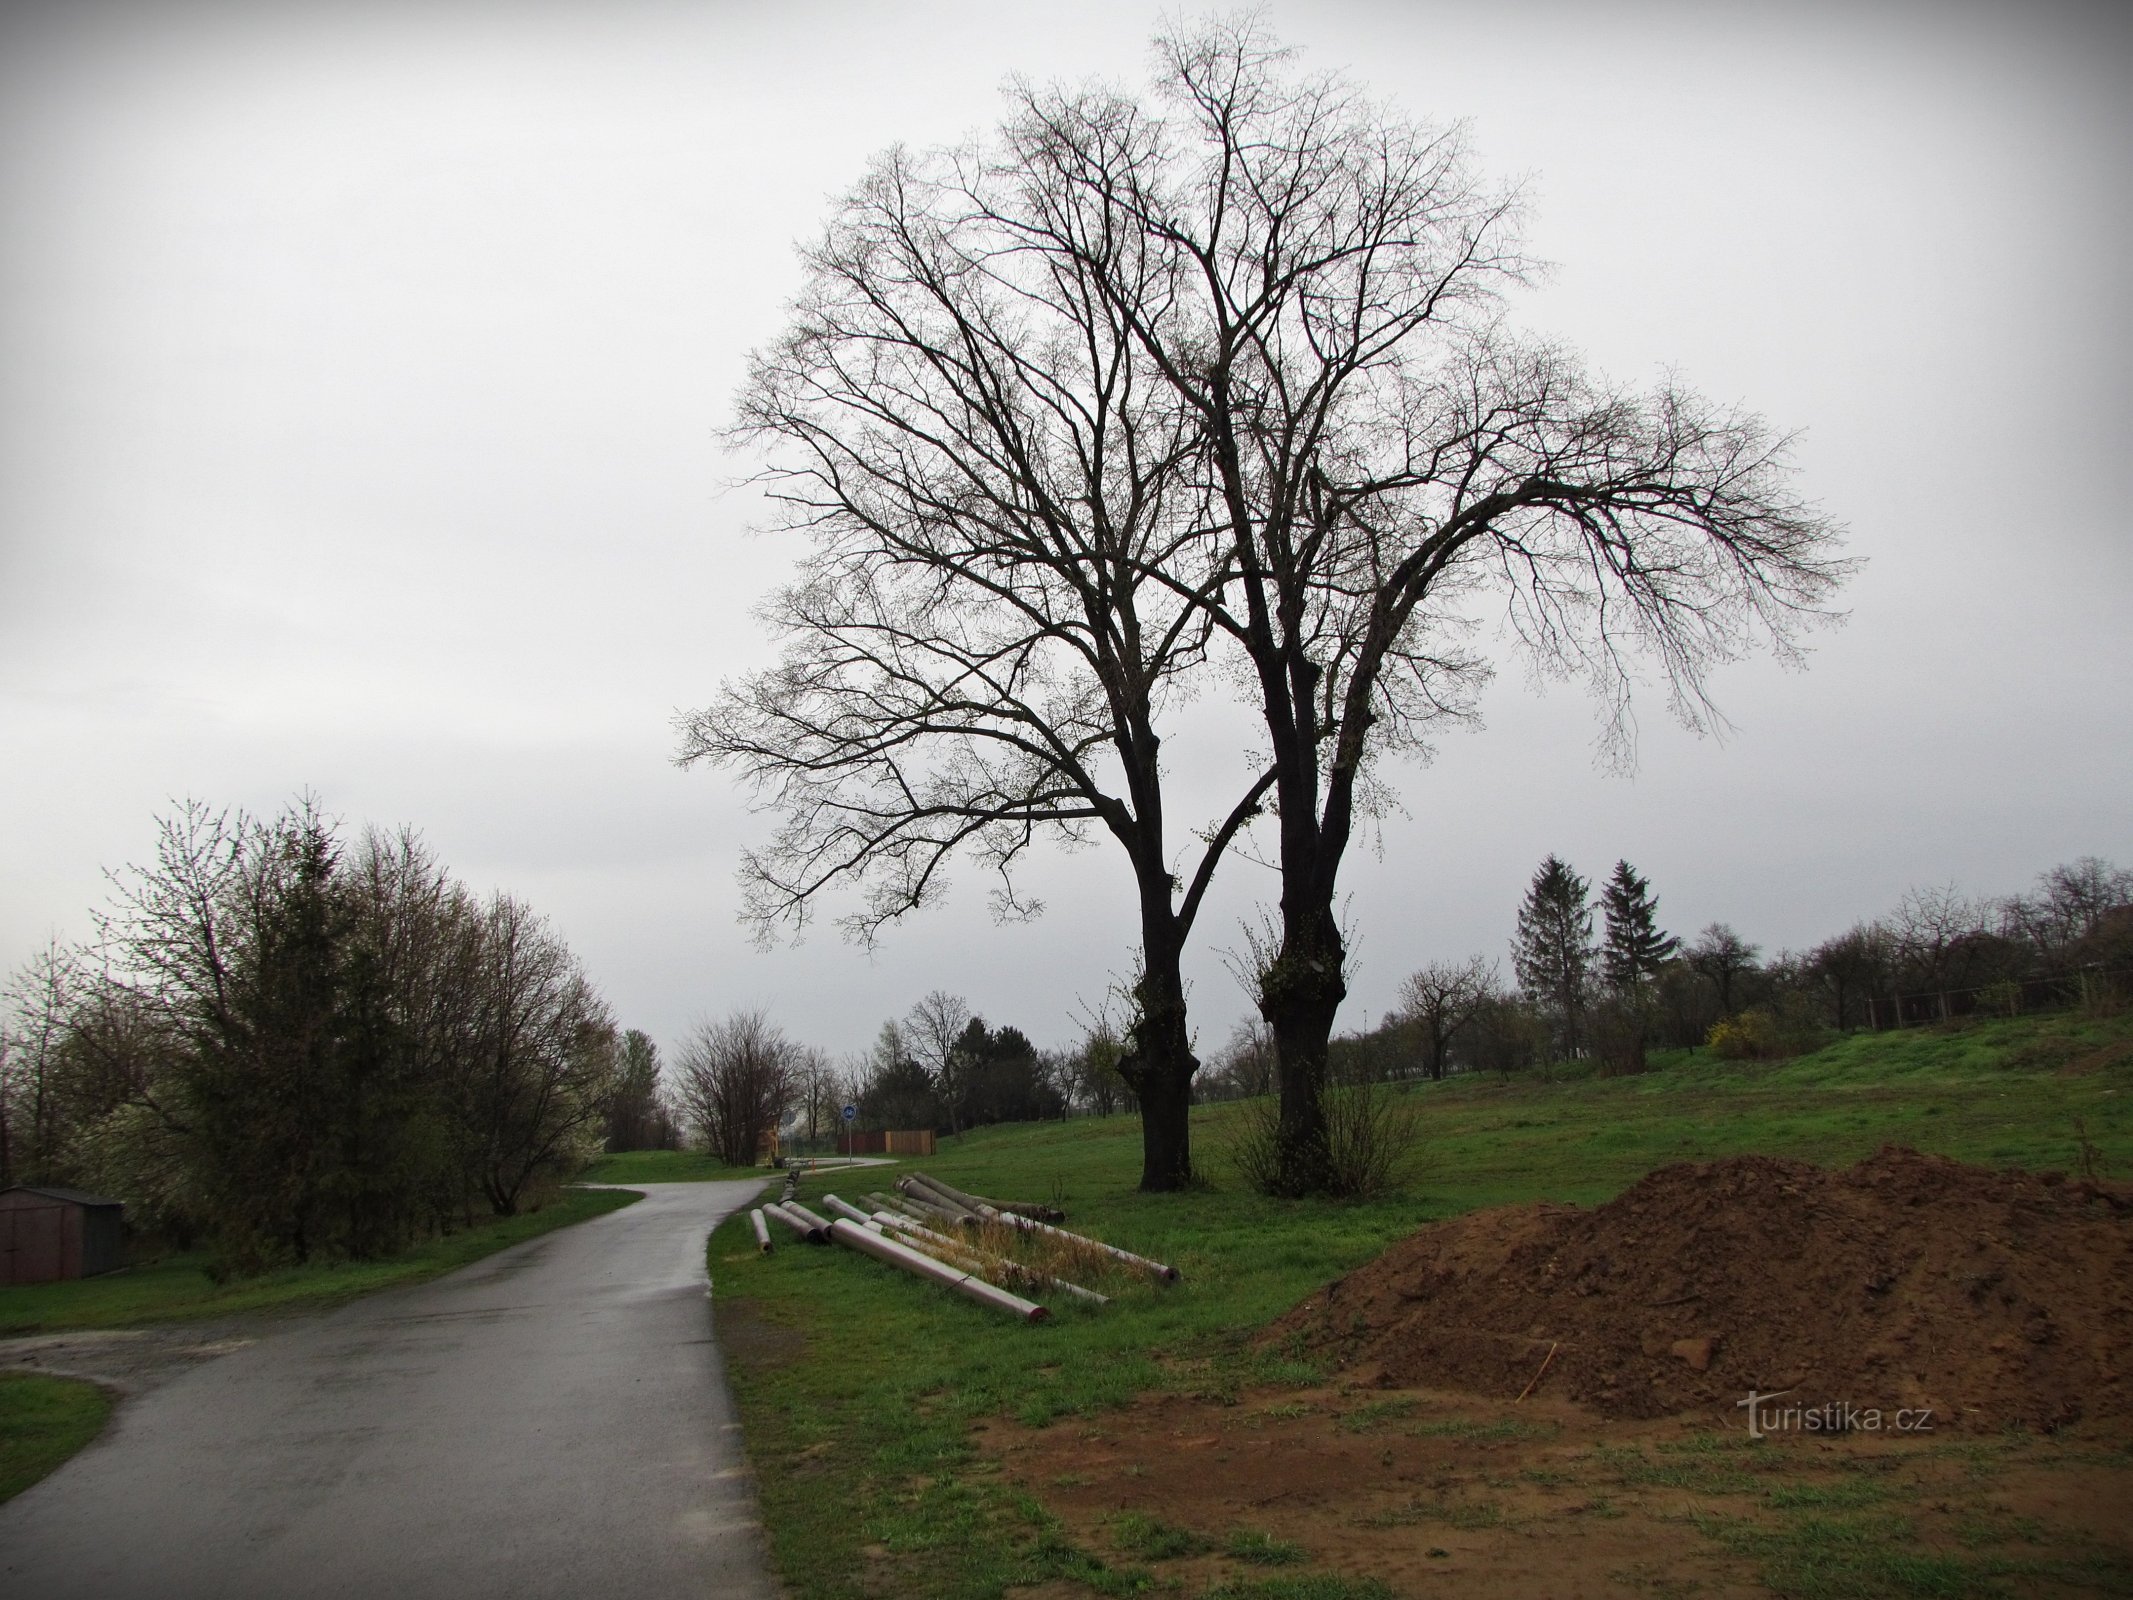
(1994, 1298)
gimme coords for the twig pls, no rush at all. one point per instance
(1553, 1346)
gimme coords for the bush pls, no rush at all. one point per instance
(1747, 1036)
(1370, 1127)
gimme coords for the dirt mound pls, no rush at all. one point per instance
(1909, 1282)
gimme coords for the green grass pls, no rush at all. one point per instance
(43, 1421)
(1154, 1540)
(859, 1387)
(1306, 1586)
(666, 1166)
(1261, 1549)
(179, 1288)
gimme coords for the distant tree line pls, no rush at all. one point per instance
(1603, 981)
(940, 1066)
(291, 1045)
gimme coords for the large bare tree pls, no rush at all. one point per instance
(997, 611)
(1212, 381)
(1318, 287)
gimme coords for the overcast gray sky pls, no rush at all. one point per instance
(360, 366)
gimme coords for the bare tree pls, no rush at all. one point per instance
(1316, 282)
(930, 1033)
(1931, 929)
(1722, 955)
(1853, 964)
(1144, 385)
(997, 616)
(735, 1080)
(1243, 1068)
(817, 1091)
(2069, 906)
(1441, 999)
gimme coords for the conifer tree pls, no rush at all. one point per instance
(1634, 947)
(1553, 951)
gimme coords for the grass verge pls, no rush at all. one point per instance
(179, 1288)
(865, 1396)
(43, 1421)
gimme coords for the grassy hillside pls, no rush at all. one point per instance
(860, 1388)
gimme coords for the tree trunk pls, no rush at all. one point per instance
(1166, 1129)
(1299, 995)
(1159, 1062)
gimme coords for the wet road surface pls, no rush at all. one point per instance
(549, 1422)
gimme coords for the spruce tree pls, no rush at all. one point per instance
(1634, 946)
(1553, 952)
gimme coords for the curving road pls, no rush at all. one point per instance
(549, 1422)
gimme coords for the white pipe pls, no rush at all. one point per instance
(972, 1252)
(883, 1248)
(762, 1230)
(938, 1193)
(843, 1210)
(922, 1200)
(798, 1224)
(808, 1216)
(969, 1202)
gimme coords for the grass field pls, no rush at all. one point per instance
(44, 1420)
(179, 1287)
(867, 1399)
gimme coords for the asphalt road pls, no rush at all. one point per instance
(550, 1422)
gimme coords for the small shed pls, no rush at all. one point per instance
(47, 1234)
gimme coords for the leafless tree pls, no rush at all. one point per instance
(734, 1079)
(930, 1033)
(1722, 955)
(1930, 928)
(2069, 906)
(1317, 282)
(819, 1090)
(1854, 964)
(1243, 1068)
(997, 617)
(1217, 378)
(1441, 999)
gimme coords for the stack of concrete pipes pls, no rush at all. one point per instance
(897, 1231)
